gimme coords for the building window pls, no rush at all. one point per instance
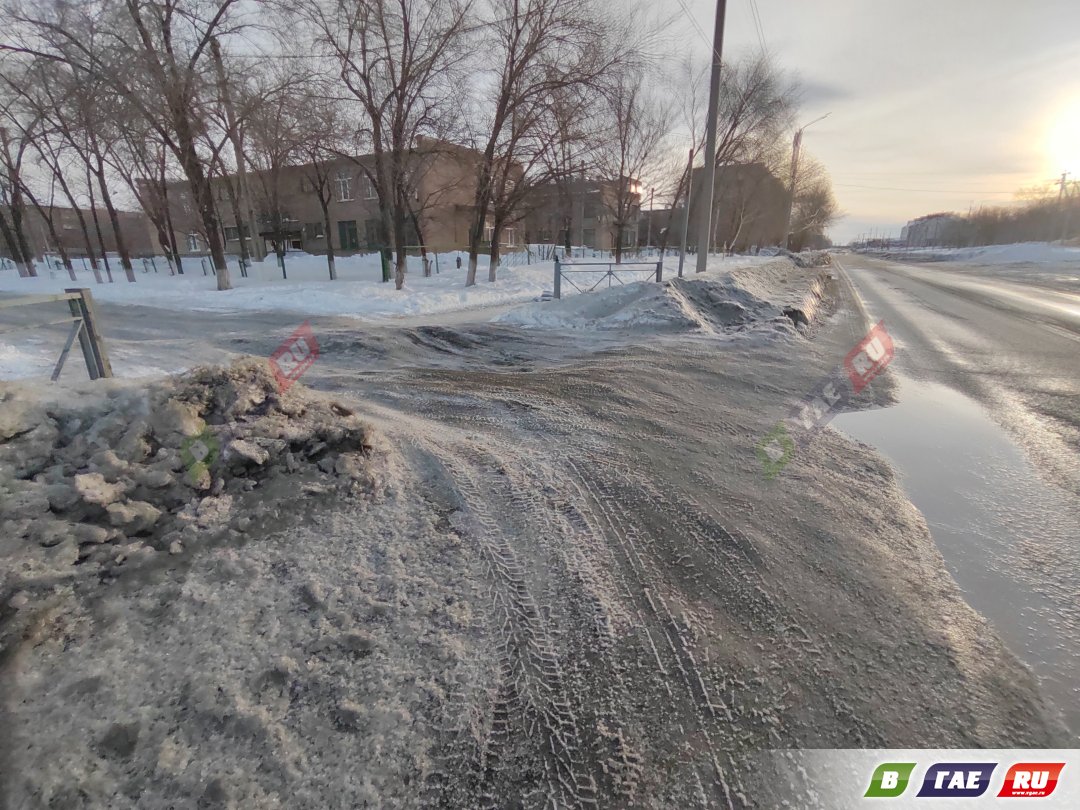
(511, 237)
(232, 233)
(193, 243)
(344, 186)
(347, 235)
(314, 230)
(369, 188)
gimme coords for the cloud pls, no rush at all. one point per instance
(815, 93)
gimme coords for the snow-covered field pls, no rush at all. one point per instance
(359, 291)
(1038, 264)
(1020, 253)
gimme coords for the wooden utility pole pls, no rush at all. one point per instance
(705, 225)
(796, 146)
(686, 213)
(796, 151)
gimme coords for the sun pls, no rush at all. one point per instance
(1063, 140)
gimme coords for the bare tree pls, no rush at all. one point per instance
(815, 206)
(12, 184)
(399, 59)
(637, 123)
(320, 144)
(143, 162)
(537, 49)
(153, 54)
(36, 88)
(569, 149)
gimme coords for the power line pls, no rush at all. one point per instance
(755, 14)
(697, 27)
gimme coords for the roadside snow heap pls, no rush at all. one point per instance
(122, 476)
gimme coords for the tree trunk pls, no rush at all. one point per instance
(16, 209)
(241, 228)
(483, 200)
(13, 246)
(51, 225)
(97, 225)
(475, 235)
(329, 238)
(82, 226)
(424, 260)
(496, 235)
(200, 190)
(400, 207)
(618, 243)
(114, 220)
(172, 244)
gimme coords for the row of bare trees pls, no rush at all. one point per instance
(120, 99)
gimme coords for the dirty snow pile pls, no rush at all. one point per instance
(774, 296)
(109, 482)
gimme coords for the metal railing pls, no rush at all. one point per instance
(611, 273)
(84, 326)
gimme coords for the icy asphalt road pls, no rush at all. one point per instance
(987, 436)
(581, 589)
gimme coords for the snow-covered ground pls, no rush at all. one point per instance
(359, 291)
(307, 293)
(1020, 253)
(1038, 264)
(563, 582)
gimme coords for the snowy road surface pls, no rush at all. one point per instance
(987, 433)
(578, 588)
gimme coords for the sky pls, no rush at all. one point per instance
(935, 105)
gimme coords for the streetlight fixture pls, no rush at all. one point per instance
(796, 147)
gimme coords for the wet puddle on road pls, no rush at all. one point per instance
(1008, 538)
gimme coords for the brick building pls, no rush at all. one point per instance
(134, 225)
(287, 203)
(586, 206)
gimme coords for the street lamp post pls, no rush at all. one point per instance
(796, 148)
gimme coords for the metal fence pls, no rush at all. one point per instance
(610, 273)
(84, 326)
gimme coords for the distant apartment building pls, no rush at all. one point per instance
(588, 208)
(134, 225)
(288, 210)
(933, 230)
